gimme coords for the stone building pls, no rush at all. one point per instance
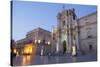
(39, 34)
(13, 47)
(22, 43)
(88, 32)
(73, 34)
(67, 32)
(38, 38)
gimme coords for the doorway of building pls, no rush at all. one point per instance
(90, 47)
(64, 46)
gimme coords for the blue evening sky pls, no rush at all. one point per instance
(30, 15)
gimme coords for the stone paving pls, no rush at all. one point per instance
(37, 60)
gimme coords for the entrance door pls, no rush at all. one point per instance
(64, 46)
(90, 47)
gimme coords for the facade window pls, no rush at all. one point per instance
(86, 19)
(86, 23)
(89, 35)
(64, 23)
(90, 46)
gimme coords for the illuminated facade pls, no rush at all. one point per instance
(67, 35)
(33, 42)
(74, 34)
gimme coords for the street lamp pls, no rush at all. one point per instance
(48, 43)
(39, 41)
(35, 41)
(15, 51)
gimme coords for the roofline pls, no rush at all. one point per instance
(87, 15)
(36, 29)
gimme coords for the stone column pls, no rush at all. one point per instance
(70, 33)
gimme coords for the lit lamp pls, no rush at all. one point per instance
(15, 51)
(73, 50)
(48, 43)
(39, 41)
(35, 41)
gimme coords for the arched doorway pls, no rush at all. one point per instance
(64, 46)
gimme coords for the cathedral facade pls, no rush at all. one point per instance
(70, 34)
(67, 32)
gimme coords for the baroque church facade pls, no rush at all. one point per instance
(68, 35)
